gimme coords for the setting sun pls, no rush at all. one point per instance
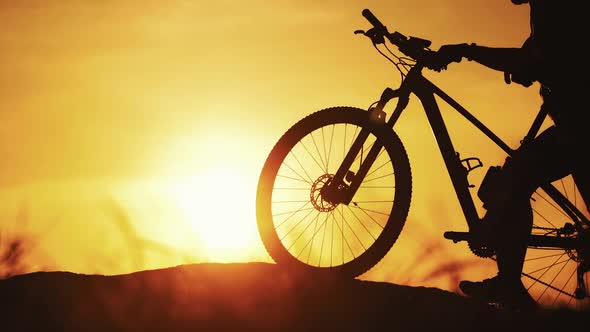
(218, 206)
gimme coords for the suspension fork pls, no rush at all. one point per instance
(376, 115)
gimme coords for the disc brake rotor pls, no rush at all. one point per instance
(317, 200)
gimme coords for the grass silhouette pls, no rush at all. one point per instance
(17, 245)
(11, 257)
(138, 247)
(20, 244)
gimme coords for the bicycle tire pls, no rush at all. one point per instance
(329, 121)
(549, 272)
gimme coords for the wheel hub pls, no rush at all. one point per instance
(322, 196)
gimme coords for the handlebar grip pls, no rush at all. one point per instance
(372, 19)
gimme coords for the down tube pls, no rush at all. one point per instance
(457, 171)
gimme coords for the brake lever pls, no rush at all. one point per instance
(372, 33)
(375, 35)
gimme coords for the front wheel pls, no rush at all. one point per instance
(300, 228)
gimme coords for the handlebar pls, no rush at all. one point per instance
(413, 47)
(373, 20)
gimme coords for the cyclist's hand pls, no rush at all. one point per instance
(446, 54)
(522, 79)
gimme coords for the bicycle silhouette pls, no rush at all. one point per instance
(334, 192)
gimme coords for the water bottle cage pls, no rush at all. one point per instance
(469, 164)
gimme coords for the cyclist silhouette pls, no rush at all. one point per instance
(557, 152)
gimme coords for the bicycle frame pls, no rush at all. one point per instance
(415, 83)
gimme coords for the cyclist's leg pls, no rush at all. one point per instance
(510, 216)
(581, 176)
(577, 123)
(543, 160)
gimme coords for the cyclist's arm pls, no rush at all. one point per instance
(502, 59)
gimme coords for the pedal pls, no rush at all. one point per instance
(457, 236)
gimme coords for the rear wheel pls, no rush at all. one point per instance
(550, 273)
(300, 227)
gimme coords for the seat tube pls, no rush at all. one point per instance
(457, 172)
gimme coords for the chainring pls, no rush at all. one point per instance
(480, 249)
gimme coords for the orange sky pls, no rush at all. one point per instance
(143, 125)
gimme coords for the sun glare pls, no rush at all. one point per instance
(219, 206)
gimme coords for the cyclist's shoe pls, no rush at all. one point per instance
(486, 289)
(510, 295)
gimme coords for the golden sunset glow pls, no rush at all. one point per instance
(167, 110)
(219, 208)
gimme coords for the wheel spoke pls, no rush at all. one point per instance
(315, 229)
(300, 177)
(378, 168)
(371, 217)
(361, 222)
(300, 165)
(306, 227)
(365, 211)
(324, 168)
(352, 231)
(344, 239)
(291, 212)
(379, 177)
(311, 155)
(330, 148)
(294, 213)
(322, 245)
(298, 223)
(292, 178)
